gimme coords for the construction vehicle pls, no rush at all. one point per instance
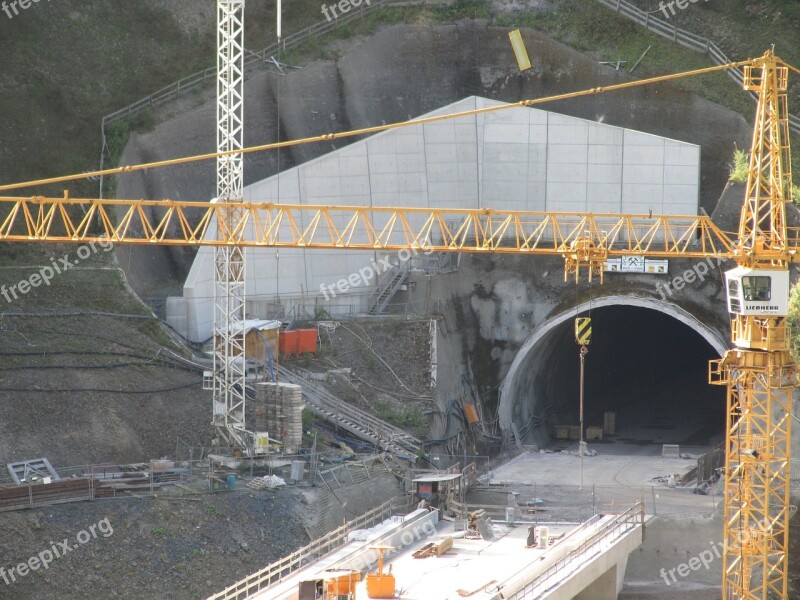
(759, 372)
(380, 584)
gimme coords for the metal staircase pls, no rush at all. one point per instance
(354, 420)
(388, 285)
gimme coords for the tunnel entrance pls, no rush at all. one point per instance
(648, 367)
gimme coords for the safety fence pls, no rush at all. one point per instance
(284, 567)
(87, 483)
(254, 60)
(685, 39)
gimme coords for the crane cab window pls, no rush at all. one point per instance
(756, 288)
(733, 296)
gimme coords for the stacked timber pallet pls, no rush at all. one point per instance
(279, 408)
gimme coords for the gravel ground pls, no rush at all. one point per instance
(150, 548)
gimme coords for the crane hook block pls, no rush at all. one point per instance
(583, 331)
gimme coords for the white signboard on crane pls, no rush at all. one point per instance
(636, 264)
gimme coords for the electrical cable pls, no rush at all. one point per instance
(99, 391)
(378, 128)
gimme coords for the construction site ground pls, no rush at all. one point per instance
(181, 549)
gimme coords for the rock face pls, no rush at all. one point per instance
(399, 73)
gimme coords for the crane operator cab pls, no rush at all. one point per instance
(757, 292)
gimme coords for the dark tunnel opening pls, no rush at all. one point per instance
(647, 367)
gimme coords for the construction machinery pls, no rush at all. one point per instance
(759, 371)
(380, 584)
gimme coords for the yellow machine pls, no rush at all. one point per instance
(341, 585)
(380, 584)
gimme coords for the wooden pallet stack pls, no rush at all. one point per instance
(279, 409)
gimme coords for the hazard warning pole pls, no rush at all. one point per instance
(583, 336)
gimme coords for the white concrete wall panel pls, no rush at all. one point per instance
(516, 159)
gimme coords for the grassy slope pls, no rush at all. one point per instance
(68, 63)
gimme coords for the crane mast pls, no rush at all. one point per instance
(759, 372)
(229, 392)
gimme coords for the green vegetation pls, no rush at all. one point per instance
(794, 320)
(159, 531)
(738, 172)
(308, 419)
(738, 168)
(212, 510)
(405, 415)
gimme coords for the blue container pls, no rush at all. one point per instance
(231, 481)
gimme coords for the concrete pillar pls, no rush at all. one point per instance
(602, 588)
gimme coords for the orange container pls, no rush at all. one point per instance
(297, 341)
(472, 414)
(307, 341)
(288, 342)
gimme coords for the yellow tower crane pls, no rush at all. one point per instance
(759, 371)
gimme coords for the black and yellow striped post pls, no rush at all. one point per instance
(583, 336)
(583, 331)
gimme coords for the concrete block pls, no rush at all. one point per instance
(442, 132)
(561, 195)
(322, 187)
(567, 154)
(604, 154)
(502, 153)
(677, 153)
(643, 155)
(382, 144)
(537, 134)
(409, 143)
(467, 152)
(605, 134)
(567, 173)
(604, 174)
(681, 174)
(439, 153)
(568, 133)
(382, 163)
(638, 138)
(644, 173)
(511, 133)
(605, 194)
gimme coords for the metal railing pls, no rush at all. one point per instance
(618, 526)
(252, 60)
(685, 39)
(284, 567)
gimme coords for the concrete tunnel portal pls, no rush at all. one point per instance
(648, 362)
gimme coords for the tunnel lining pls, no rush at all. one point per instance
(507, 396)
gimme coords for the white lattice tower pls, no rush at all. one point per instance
(229, 272)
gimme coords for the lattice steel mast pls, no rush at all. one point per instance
(229, 262)
(760, 373)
